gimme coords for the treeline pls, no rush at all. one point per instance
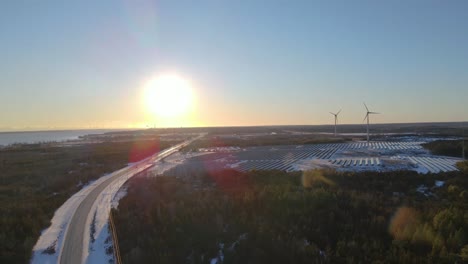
(447, 147)
(263, 140)
(278, 217)
(36, 179)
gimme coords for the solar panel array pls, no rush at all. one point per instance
(280, 158)
(284, 165)
(379, 145)
(356, 162)
(435, 164)
(284, 157)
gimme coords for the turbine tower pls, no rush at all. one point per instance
(367, 117)
(336, 119)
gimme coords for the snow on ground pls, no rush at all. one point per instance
(388, 155)
(423, 189)
(420, 169)
(98, 236)
(220, 257)
(310, 164)
(439, 183)
(101, 250)
(110, 198)
(50, 242)
(49, 245)
(121, 193)
(220, 149)
(98, 220)
(235, 165)
(51, 238)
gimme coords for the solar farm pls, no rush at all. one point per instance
(353, 156)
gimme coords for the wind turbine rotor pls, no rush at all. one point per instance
(367, 115)
(366, 107)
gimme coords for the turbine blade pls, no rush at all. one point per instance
(374, 113)
(365, 117)
(366, 107)
(338, 112)
(332, 113)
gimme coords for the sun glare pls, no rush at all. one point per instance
(168, 96)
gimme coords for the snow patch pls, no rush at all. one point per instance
(235, 165)
(50, 242)
(420, 169)
(439, 183)
(424, 190)
(241, 237)
(98, 250)
(220, 257)
(220, 149)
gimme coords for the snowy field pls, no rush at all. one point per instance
(353, 156)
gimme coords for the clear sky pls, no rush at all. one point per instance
(83, 64)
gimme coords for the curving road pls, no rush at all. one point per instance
(72, 249)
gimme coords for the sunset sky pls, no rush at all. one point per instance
(86, 64)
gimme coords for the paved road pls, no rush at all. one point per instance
(72, 250)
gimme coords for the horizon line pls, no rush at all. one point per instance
(14, 130)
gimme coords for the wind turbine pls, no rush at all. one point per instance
(367, 117)
(336, 118)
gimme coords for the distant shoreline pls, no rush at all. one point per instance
(67, 130)
(32, 137)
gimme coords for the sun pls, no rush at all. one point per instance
(168, 96)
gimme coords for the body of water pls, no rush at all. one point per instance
(8, 138)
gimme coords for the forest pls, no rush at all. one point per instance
(298, 217)
(447, 147)
(261, 140)
(36, 179)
